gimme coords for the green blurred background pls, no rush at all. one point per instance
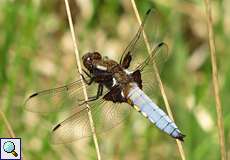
(36, 52)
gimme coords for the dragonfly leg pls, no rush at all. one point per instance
(84, 79)
(99, 93)
(93, 98)
(88, 74)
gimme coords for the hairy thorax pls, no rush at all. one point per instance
(116, 70)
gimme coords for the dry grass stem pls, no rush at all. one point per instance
(80, 71)
(179, 144)
(8, 126)
(215, 80)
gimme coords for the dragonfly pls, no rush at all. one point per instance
(120, 89)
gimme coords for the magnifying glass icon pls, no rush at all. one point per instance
(9, 147)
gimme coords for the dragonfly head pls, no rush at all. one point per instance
(89, 59)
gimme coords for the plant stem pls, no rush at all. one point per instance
(80, 71)
(179, 144)
(8, 126)
(215, 80)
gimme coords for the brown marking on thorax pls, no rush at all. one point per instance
(119, 74)
(104, 70)
(114, 68)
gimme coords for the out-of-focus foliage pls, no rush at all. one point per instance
(36, 52)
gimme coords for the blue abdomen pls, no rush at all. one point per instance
(151, 111)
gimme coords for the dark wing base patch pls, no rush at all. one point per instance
(137, 78)
(114, 95)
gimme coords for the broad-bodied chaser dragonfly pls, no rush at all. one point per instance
(125, 90)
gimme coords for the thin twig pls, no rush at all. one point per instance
(179, 144)
(8, 126)
(80, 71)
(215, 80)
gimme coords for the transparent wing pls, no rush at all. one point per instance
(56, 99)
(158, 55)
(106, 115)
(137, 51)
(65, 100)
(155, 59)
(132, 44)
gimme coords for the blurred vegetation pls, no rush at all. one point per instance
(36, 52)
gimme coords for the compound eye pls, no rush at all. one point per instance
(88, 59)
